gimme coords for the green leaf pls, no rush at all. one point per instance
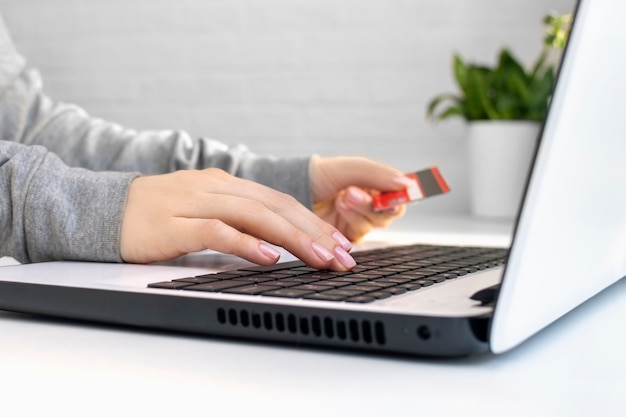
(460, 72)
(511, 65)
(452, 111)
(436, 101)
(479, 91)
(541, 91)
(539, 65)
(508, 106)
(518, 86)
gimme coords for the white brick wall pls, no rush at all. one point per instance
(283, 76)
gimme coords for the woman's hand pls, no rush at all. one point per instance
(342, 193)
(170, 215)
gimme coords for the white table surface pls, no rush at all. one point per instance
(576, 367)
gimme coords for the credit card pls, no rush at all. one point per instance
(426, 183)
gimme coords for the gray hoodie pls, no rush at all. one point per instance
(64, 175)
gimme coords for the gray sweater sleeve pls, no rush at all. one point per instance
(30, 117)
(50, 211)
(64, 175)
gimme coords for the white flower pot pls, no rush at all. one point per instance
(500, 153)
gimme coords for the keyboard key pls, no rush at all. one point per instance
(324, 296)
(221, 275)
(396, 290)
(313, 287)
(216, 286)
(361, 299)
(380, 295)
(170, 285)
(355, 278)
(254, 278)
(301, 280)
(379, 284)
(436, 278)
(449, 275)
(288, 293)
(361, 287)
(284, 283)
(394, 279)
(410, 286)
(240, 272)
(196, 280)
(250, 289)
(334, 283)
(274, 267)
(343, 292)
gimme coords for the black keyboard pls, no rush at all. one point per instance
(380, 273)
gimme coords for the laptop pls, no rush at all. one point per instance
(569, 243)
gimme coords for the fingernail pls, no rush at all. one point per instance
(391, 210)
(342, 240)
(341, 204)
(344, 258)
(269, 251)
(354, 196)
(403, 181)
(322, 252)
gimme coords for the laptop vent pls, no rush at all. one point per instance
(350, 330)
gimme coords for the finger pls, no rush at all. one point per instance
(360, 202)
(329, 175)
(193, 235)
(356, 223)
(353, 224)
(218, 236)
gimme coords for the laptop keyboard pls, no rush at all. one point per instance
(380, 273)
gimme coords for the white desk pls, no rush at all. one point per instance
(574, 368)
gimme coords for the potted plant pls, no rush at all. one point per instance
(504, 106)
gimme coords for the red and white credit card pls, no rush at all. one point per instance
(427, 183)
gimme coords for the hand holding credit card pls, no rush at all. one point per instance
(427, 183)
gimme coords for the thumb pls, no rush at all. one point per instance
(331, 175)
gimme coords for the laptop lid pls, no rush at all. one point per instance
(570, 240)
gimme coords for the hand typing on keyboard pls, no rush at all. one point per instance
(187, 211)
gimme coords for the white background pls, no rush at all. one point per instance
(287, 77)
